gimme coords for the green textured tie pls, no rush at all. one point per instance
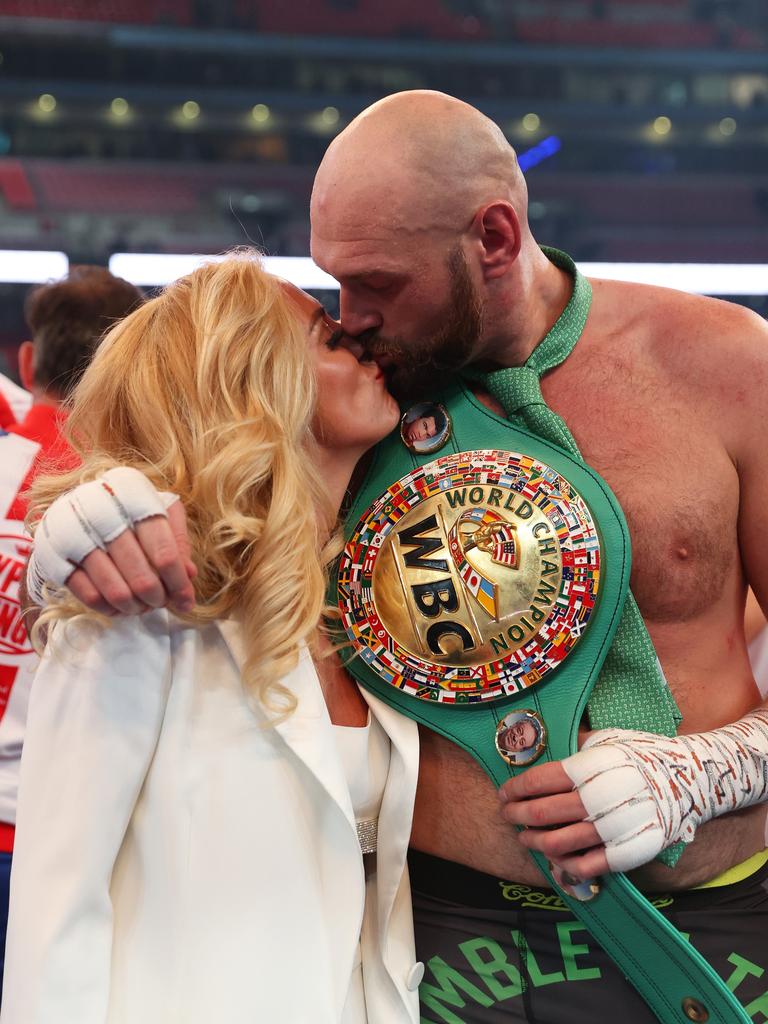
(630, 692)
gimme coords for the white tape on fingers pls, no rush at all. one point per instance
(98, 512)
(67, 527)
(644, 792)
(134, 496)
(65, 537)
(168, 498)
(89, 517)
(636, 850)
(45, 565)
(617, 802)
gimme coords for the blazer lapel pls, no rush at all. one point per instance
(397, 803)
(308, 732)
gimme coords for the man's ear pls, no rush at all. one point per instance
(496, 229)
(27, 365)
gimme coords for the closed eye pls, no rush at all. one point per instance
(333, 341)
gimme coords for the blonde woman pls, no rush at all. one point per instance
(187, 844)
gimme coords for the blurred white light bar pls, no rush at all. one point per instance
(29, 266)
(301, 271)
(151, 269)
(702, 278)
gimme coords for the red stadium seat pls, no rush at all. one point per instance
(15, 186)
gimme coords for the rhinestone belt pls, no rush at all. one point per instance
(367, 832)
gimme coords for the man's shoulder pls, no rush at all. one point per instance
(679, 331)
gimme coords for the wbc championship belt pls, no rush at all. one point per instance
(483, 578)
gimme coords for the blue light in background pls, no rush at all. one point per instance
(544, 149)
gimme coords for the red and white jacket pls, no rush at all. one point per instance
(26, 449)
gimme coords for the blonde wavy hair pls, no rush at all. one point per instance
(209, 390)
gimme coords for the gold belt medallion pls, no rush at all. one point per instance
(470, 578)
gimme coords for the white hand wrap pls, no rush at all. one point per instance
(89, 517)
(645, 792)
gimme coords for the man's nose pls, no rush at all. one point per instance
(356, 319)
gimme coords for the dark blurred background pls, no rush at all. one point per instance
(194, 125)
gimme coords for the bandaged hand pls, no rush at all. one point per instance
(117, 543)
(644, 792)
(626, 796)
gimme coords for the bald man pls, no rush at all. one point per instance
(419, 210)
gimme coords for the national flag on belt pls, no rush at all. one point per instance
(369, 560)
(482, 589)
(504, 549)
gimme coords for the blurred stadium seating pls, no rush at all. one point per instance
(127, 12)
(632, 23)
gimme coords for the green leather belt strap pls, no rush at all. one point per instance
(672, 977)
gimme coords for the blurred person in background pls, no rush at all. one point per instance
(7, 417)
(66, 320)
(197, 797)
(13, 398)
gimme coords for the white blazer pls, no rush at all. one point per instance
(179, 861)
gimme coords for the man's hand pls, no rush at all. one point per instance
(638, 793)
(149, 567)
(545, 801)
(120, 546)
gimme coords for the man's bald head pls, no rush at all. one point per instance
(419, 212)
(415, 161)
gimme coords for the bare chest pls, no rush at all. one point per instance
(671, 475)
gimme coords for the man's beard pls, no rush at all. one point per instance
(420, 365)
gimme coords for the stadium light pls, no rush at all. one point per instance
(152, 269)
(22, 266)
(546, 148)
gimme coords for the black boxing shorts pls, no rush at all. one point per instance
(496, 951)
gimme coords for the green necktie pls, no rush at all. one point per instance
(630, 692)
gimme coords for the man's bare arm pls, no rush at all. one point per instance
(544, 798)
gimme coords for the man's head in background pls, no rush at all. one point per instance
(67, 319)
